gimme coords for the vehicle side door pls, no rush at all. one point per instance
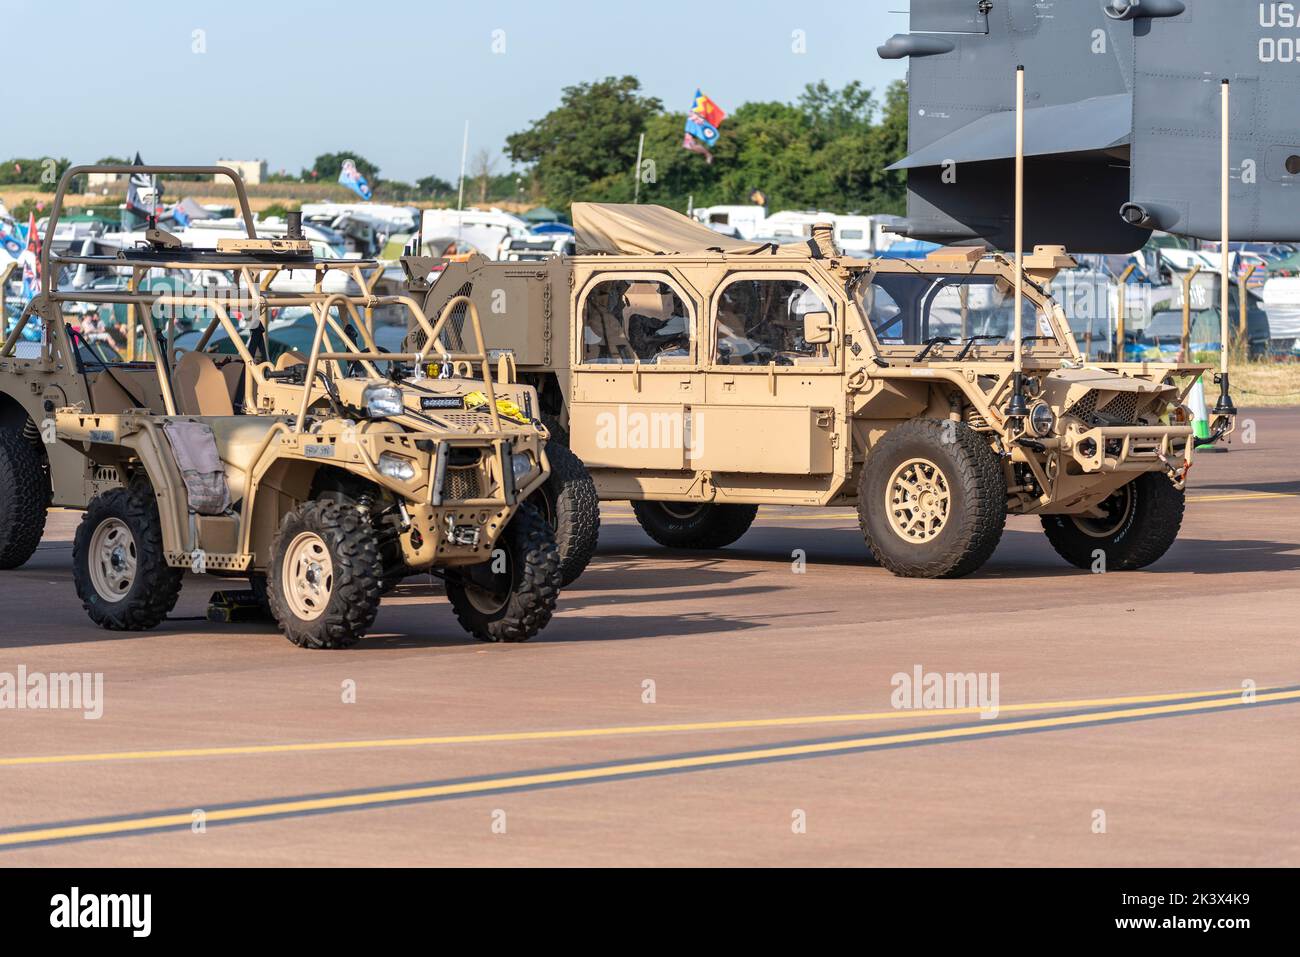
(773, 400)
(635, 369)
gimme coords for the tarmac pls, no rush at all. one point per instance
(736, 707)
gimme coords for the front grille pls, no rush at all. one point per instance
(1085, 407)
(1122, 409)
(464, 420)
(461, 484)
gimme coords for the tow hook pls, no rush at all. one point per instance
(467, 535)
(1177, 475)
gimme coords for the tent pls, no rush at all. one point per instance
(541, 214)
(634, 230)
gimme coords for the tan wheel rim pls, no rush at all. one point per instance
(307, 576)
(489, 591)
(112, 559)
(1117, 508)
(681, 510)
(917, 501)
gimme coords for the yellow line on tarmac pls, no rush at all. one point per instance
(618, 731)
(577, 775)
(1240, 497)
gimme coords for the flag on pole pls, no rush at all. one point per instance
(352, 178)
(31, 261)
(141, 198)
(702, 124)
(707, 110)
(11, 240)
(139, 185)
(691, 143)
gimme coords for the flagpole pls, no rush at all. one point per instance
(1016, 408)
(1225, 406)
(640, 148)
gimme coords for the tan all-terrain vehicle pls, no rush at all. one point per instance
(323, 476)
(700, 377)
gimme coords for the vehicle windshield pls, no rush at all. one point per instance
(910, 309)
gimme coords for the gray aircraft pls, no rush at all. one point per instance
(1122, 119)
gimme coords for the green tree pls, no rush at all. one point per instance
(43, 172)
(434, 187)
(590, 138)
(827, 150)
(889, 145)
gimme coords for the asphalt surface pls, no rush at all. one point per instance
(719, 708)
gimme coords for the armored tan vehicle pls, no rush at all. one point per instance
(322, 476)
(700, 377)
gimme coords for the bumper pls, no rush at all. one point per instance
(1129, 448)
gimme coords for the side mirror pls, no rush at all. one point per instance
(818, 328)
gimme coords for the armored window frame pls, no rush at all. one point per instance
(831, 362)
(666, 363)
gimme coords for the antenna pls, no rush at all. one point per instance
(460, 201)
(640, 148)
(1224, 406)
(1017, 408)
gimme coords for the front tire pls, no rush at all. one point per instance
(932, 500)
(1141, 523)
(24, 497)
(514, 602)
(324, 581)
(694, 524)
(118, 564)
(568, 502)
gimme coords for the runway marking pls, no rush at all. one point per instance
(849, 514)
(617, 731)
(43, 834)
(1241, 496)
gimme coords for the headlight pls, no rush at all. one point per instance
(1042, 420)
(396, 467)
(382, 401)
(521, 464)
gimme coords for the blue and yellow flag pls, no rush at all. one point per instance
(702, 124)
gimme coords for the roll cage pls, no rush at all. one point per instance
(253, 268)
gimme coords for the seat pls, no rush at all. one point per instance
(200, 387)
(232, 370)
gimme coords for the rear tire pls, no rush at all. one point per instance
(24, 497)
(694, 525)
(517, 602)
(324, 580)
(1143, 520)
(118, 564)
(932, 500)
(569, 504)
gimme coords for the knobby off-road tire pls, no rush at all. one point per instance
(323, 583)
(24, 497)
(515, 603)
(568, 502)
(932, 500)
(1143, 519)
(118, 565)
(693, 524)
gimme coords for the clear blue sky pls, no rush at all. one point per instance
(395, 80)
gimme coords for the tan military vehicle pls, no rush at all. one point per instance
(700, 377)
(322, 476)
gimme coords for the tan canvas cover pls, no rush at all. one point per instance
(635, 230)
